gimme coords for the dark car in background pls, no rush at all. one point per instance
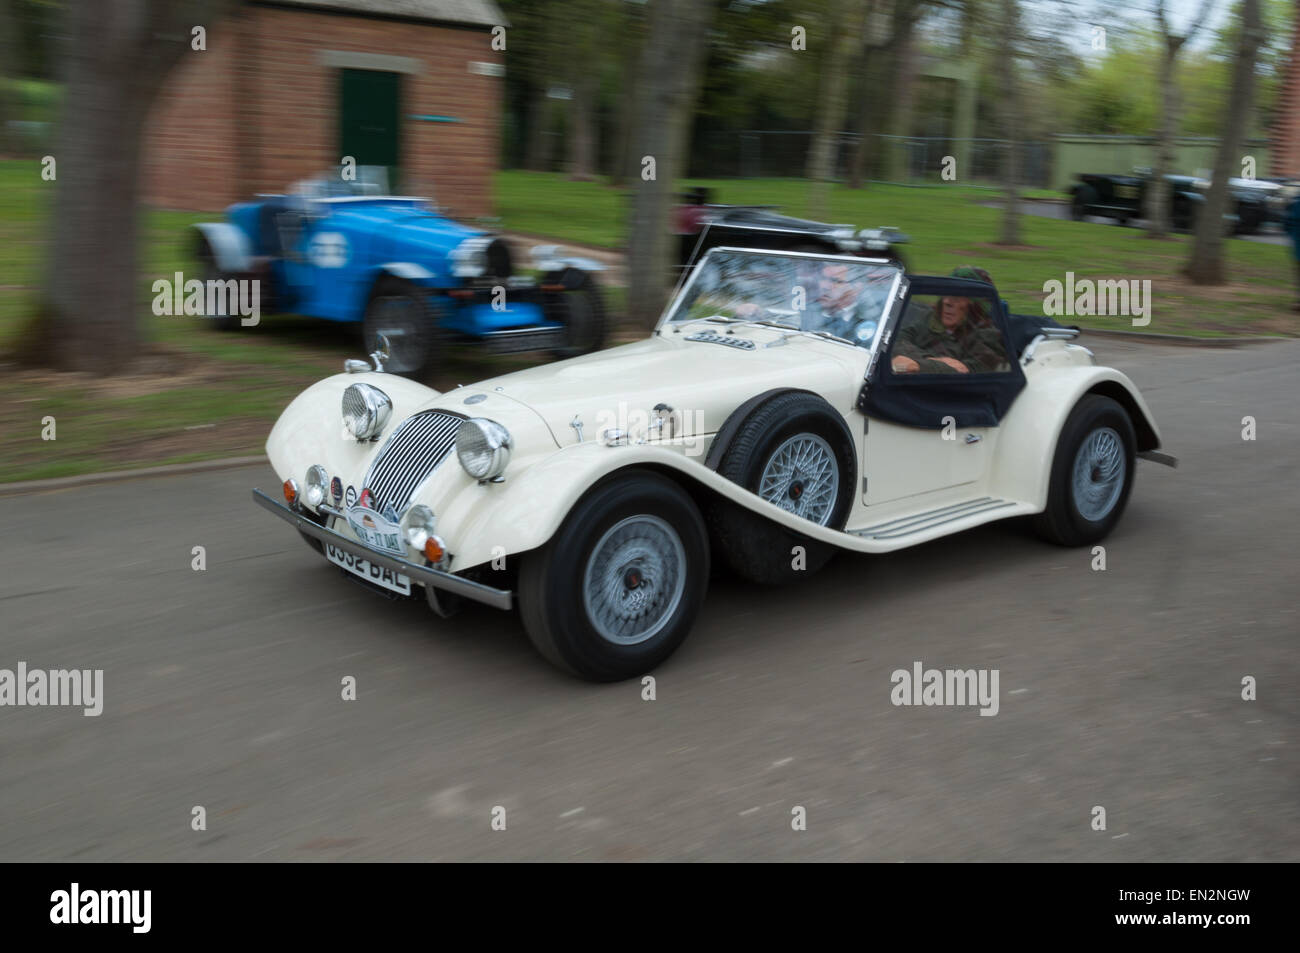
(1123, 197)
(699, 225)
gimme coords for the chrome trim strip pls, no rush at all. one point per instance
(925, 515)
(976, 511)
(516, 332)
(497, 598)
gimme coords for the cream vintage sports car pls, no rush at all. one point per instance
(787, 405)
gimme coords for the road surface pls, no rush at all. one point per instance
(1118, 689)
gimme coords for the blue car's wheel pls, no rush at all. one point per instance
(401, 312)
(212, 272)
(581, 309)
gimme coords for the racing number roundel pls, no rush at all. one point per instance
(329, 250)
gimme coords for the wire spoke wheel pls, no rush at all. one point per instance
(634, 579)
(803, 477)
(1097, 477)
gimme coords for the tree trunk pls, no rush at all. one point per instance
(118, 56)
(668, 85)
(1157, 195)
(9, 71)
(539, 114)
(582, 132)
(877, 84)
(1010, 234)
(626, 124)
(1205, 266)
(846, 31)
(899, 125)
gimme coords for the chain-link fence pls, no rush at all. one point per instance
(908, 160)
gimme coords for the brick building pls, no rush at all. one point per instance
(1286, 127)
(286, 88)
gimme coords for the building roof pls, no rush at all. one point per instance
(476, 12)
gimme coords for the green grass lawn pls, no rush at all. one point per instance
(948, 227)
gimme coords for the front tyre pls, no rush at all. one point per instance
(401, 312)
(580, 307)
(795, 452)
(617, 588)
(1092, 474)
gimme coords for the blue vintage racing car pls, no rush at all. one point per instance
(415, 280)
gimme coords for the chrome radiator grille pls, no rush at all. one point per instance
(415, 450)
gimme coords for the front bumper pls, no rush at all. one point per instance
(458, 585)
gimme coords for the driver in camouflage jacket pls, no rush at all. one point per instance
(956, 337)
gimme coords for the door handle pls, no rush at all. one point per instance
(973, 438)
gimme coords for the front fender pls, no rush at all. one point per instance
(310, 430)
(231, 249)
(1029, 433)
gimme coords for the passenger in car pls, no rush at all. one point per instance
(955, 336)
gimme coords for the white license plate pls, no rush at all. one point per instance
(364, 568)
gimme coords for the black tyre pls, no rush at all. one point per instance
(1092, 474)
(211, 271)
(402, 312)
(1249, 218)
(795, 451)
(580, 307)
(1080, 199)
(1183, 218)
(617, 588)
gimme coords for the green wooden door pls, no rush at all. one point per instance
(369, 119)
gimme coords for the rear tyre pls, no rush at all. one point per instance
(401, 311)
(1092, 474)
(1249, 219)
(1080, 199)
(793, 451)
(617, 589)
(212, 272)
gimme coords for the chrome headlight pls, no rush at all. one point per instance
(366, 410)
(483, 447)
(845, 240)
(481, 255)
(417, 525)
(469, 259)
(314, 486)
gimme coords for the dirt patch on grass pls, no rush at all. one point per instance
(155, 371)
(228, 438)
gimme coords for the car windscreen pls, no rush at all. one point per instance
(836, 295)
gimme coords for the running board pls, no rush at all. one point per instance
(921, 522)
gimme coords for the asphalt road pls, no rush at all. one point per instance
(1118, 689)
